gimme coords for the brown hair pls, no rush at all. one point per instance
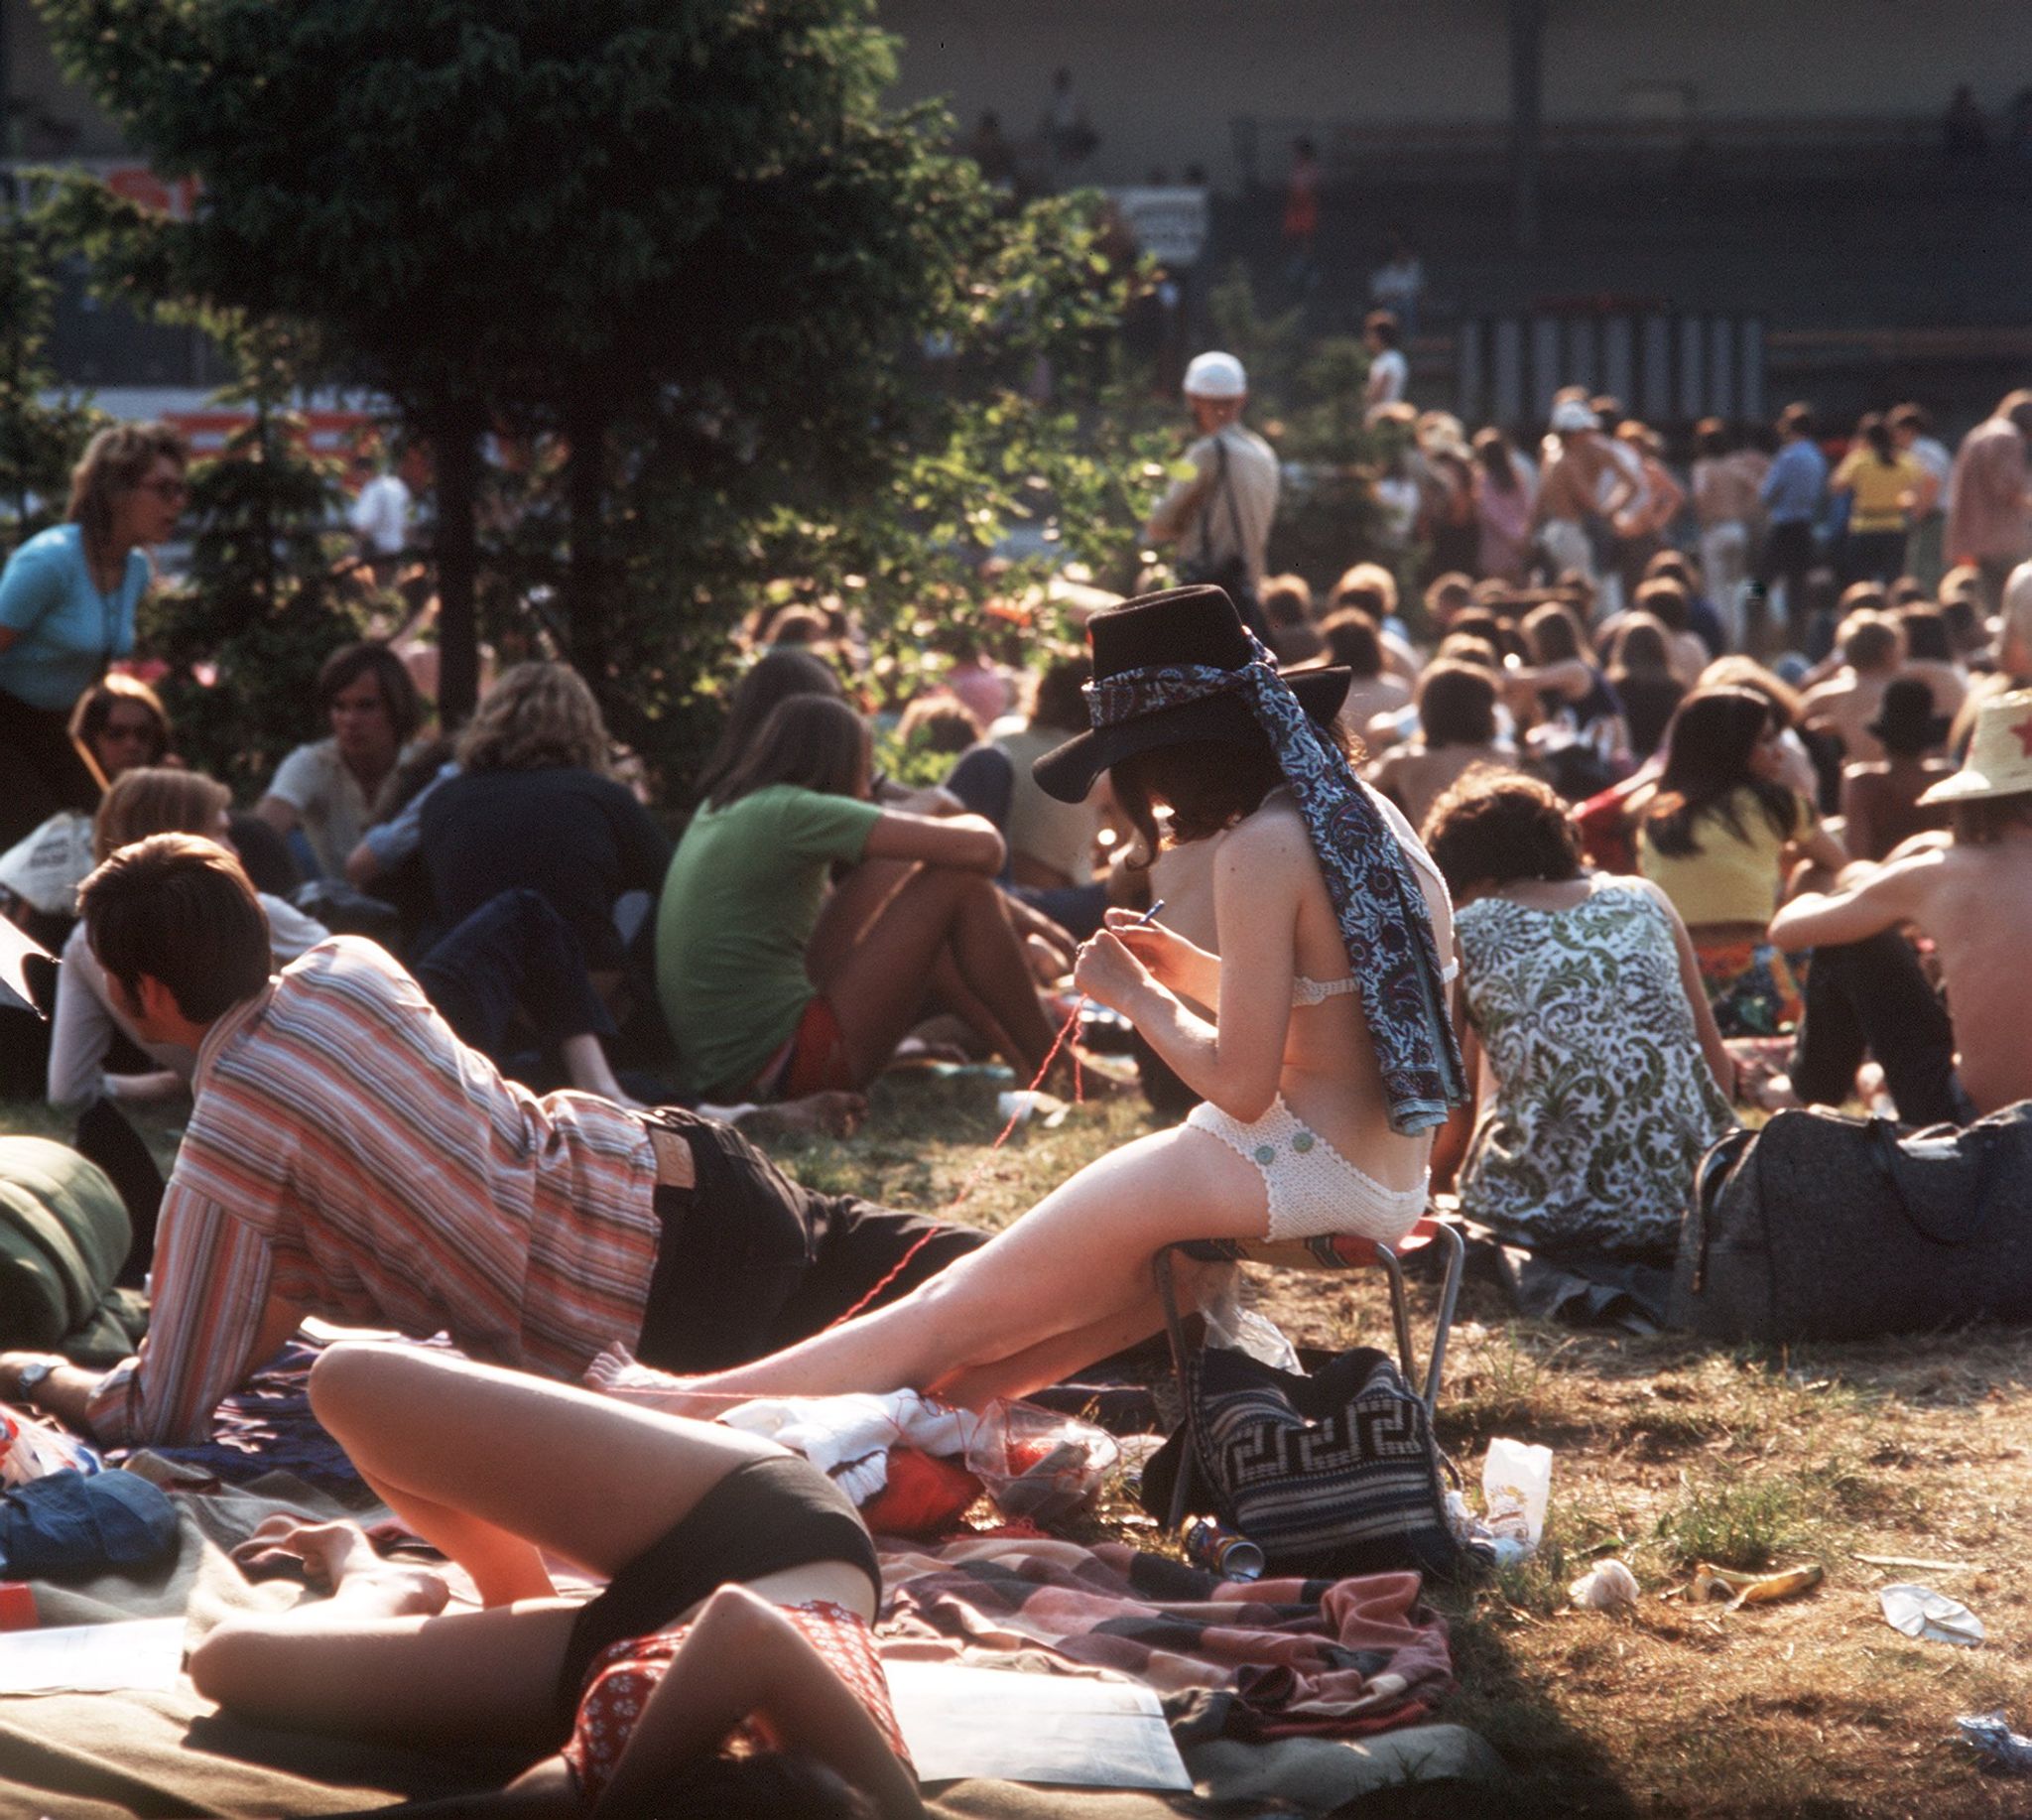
(1209, 784)
(147, 801)
(1491, 827)
(1456, 704)
(1353, 639)
(1666, 601)
(95, 708)
(1554, 634)
(938, 724)
(370, 657)
(117, 462)
(178, 908)
(537, 715)
(1869, 640)
(812, 742)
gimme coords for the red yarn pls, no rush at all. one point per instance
(924, 1496)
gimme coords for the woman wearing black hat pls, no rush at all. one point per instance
(1318, 1038)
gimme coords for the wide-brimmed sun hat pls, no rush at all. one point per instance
(1999, 761)
(1183, 626)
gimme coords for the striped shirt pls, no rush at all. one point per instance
(349, 1155)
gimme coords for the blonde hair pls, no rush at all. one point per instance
(538, 715)
(155, 800)
(117, 462)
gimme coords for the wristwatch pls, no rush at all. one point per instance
(30, 1379)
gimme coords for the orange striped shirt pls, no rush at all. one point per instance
(349, 1154)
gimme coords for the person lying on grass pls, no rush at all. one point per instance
(727, 1669)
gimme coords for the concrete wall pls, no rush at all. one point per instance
(1162, 79)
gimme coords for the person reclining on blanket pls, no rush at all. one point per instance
(349, 1156)
(1971, 892)
(728, 1668)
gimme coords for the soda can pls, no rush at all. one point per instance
(1220, 1551)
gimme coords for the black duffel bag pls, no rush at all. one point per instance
(1822, 1226)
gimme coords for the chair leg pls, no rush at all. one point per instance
(1400, 1313)
(1442, 1320)
(1188, 1453)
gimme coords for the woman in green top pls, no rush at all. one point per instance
(772, 987)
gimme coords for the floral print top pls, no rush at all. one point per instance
(1604, 1101)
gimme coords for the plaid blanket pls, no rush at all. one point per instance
(1278, 1659)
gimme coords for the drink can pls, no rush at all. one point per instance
(17, 1606)
(1220, 1551)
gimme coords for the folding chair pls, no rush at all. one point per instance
(1328, 1251)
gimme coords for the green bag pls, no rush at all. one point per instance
(63, 1236)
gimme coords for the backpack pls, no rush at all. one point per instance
(63, 1236)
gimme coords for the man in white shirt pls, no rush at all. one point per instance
(1389, 371)
(380, 520)
(1220, 516)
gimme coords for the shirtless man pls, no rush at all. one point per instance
(1581, 481)
(1972, 894)
(1848, 702)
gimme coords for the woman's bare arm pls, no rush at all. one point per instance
(1238, 1061)
(742, 1657)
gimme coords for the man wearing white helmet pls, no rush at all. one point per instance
(1219, 517)
(1580, 485)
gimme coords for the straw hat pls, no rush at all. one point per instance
(1999, 761)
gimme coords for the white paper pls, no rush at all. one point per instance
(144, 1652)
(1033, 1728)
(1930, 1616)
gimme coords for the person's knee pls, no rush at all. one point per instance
(229, 1662)
(350, 1379)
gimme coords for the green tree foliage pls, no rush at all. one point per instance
(689, 219)
(39, 441)
(256, 613)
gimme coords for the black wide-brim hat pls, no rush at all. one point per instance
(1184, 626)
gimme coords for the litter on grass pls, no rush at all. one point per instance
(1933, 1618)
(1990, 1734)
(1711, 1583)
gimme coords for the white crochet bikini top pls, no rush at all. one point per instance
(1306, 991)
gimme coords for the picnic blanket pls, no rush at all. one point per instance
(1277, 1658)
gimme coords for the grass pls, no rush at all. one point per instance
(1666, 1452)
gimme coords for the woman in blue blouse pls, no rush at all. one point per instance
(67, 599)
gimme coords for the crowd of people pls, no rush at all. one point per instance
(1519, 871)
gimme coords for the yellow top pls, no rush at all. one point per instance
(1877, 486)
(1732, 879)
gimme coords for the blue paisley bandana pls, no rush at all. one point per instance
(1382, 911)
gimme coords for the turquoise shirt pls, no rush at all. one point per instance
(68, 629)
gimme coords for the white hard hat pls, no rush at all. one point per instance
(1217, 376)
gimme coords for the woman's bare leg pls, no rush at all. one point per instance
(494, 1466)
(1079, 1259)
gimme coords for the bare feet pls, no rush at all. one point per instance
(338, 1558)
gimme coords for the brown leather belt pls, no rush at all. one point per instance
(674, 1165)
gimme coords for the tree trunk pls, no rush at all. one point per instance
(585, 581)
(455, 442)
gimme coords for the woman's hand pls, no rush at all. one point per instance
(1166, 953)
(1108, 973)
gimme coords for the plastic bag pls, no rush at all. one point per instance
(29, 1449)
(1516, 1487)
(1038, 1465)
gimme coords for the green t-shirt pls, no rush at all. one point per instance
(743, 892)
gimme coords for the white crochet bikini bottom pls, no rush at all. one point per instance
(1313, 1188)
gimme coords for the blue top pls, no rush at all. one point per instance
(67, 628)
(1794, 487)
